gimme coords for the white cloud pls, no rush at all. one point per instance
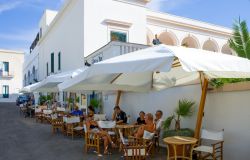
(8, 6)
(20, 40)
(168, 5)
(21, 35)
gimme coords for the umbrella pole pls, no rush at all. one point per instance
(201, 109)
(118, 98)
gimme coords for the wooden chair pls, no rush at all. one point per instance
(135, 148)
(47, 116)
(92, 140)
(38, 115)
(157, 140)
(57, 124)
(211, 145)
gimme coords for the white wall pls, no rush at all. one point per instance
(166, 100)
(15, 83)
(96, 31)
(230, 111)
(65, 36)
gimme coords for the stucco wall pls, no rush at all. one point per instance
(97, 32)
(65, 36)
(227, 110)
(15, 70)
(230, 111)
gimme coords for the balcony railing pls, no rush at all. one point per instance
(6, 75)
(34, 43)
(112, 49)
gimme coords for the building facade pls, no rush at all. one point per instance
(10, 74)
(84, 32)
(80, 28)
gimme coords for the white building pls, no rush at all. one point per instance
(78, 30)
(10, 74)
(82, 30)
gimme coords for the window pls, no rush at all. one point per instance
(47, 69)
(118, 36)
(52, 62)
(4, 68)
(59, 61)
(5, 91)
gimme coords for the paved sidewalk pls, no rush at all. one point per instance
(24, 139)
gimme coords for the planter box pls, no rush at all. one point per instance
(230, 87)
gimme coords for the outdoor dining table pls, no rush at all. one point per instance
(128, 128)
(176, 141)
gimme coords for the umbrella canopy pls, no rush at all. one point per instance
(50, 83)
(27, 89)
(160, 67)
(157, 68)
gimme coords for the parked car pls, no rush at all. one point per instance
(21, 99)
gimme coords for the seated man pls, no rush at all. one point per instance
(158, 121)
(149, 126)
(119, 116)
(76, 112)
(141, 119)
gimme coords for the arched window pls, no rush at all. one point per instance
(190, 42)
(210, 45)
(226, 49)
(168, 38)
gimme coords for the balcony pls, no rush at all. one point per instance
(6, 75)
(112, 49)
(34, 43)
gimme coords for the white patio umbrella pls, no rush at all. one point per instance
(157, 68)
(50, 83)
(27, 89)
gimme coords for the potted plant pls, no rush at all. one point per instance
(185, 109)
(70, 103)
(96, 104)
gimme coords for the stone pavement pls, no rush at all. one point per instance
(24, 139)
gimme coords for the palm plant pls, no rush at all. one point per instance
(240, 42)
(185, 109)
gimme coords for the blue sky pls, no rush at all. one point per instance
(19, 18)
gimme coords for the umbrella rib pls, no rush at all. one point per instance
(116, 78)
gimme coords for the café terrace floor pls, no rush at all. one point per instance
(24, 139)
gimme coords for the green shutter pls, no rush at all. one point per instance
(52, 62)
(47, 68)
(5, 91)
(59, 61)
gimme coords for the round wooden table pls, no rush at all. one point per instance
(176, 141)
(128, 128)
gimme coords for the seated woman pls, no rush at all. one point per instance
(92, 126)
(76, 111)
(149, 126)
(141, 119)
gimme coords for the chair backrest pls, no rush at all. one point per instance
(38, 110)
(54, 116)
(99, 117)
(106, 124)
(121, 137)
(47, 111)
(148, 135)
(71, 119)
(212, 135)
(60, 109)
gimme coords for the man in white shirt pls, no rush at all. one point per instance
(158, 120)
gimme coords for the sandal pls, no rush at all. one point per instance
(106, 152)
